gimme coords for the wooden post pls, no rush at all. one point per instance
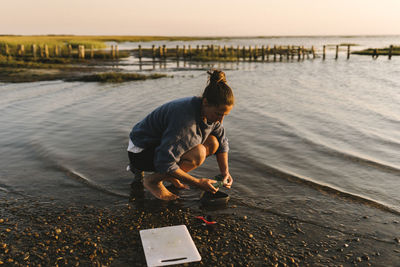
(274, 53)
(21, 50)
(323, 52)
(112, 52)
(177, 53)
(250, 53)
(268, 52)
(81, 52)
(244, 53)
(153, 52)
(292, 52)
(69, 51)
(140, 53)
(46, 51)
(184, 52)
(56, 51)
(238, 53)
(255, 52)
(165, 51)
(280, 53)
(232, 54)
(34, 51)
(116, 51)
(337, 52)
(225, 53)
(288, 53)
(190, 52)
(390, 52)
(263, 52)
(160, 52)
(219, 51)
(197, 49)
(7, 50)
(313, 51)
(212, 50)
(348, 52)
(304, 52)
(299, 53)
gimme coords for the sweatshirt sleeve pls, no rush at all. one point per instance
(219, 133)
(168, 154)
(174, 143)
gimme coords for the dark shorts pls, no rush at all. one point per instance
(144, 160)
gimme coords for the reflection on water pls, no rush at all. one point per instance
(134, 64)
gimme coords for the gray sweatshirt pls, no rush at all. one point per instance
(174, 128)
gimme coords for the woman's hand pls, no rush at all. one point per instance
(207, 185)
(222, 159)
(228, 180)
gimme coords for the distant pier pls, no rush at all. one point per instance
(199, 53)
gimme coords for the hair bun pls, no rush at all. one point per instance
(216, 76)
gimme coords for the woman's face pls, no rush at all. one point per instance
(215, 113)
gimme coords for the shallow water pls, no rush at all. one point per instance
(332, 124)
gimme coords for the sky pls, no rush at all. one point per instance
(201, 18)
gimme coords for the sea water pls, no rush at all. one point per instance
(332, 125)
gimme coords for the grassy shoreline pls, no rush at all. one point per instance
(379, 51)
(88, 40)
(29, 69)
(59, 60)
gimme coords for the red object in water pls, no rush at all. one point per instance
(205, 221)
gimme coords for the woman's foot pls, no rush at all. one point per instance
(177, 183)
(156, 187)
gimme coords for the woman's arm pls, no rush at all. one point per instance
(222, 159)
(203, 183)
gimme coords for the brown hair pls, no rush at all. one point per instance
(218, 92)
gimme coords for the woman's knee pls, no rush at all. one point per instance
(200, 155)
(196, 156)
(211, 144)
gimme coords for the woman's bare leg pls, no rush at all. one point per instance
(189, 161)
(195, 158)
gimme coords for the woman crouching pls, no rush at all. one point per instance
(178, 136)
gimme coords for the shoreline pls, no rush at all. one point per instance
(39, 231)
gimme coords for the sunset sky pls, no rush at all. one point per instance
(201, 18)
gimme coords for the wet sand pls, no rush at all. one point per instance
(40, 232)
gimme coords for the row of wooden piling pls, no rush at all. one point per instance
(252, 53)
(264, 53)
(43, 51)
(219, 52)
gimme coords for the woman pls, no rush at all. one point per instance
(178, 136)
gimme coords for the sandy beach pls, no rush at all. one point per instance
(38, 232)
